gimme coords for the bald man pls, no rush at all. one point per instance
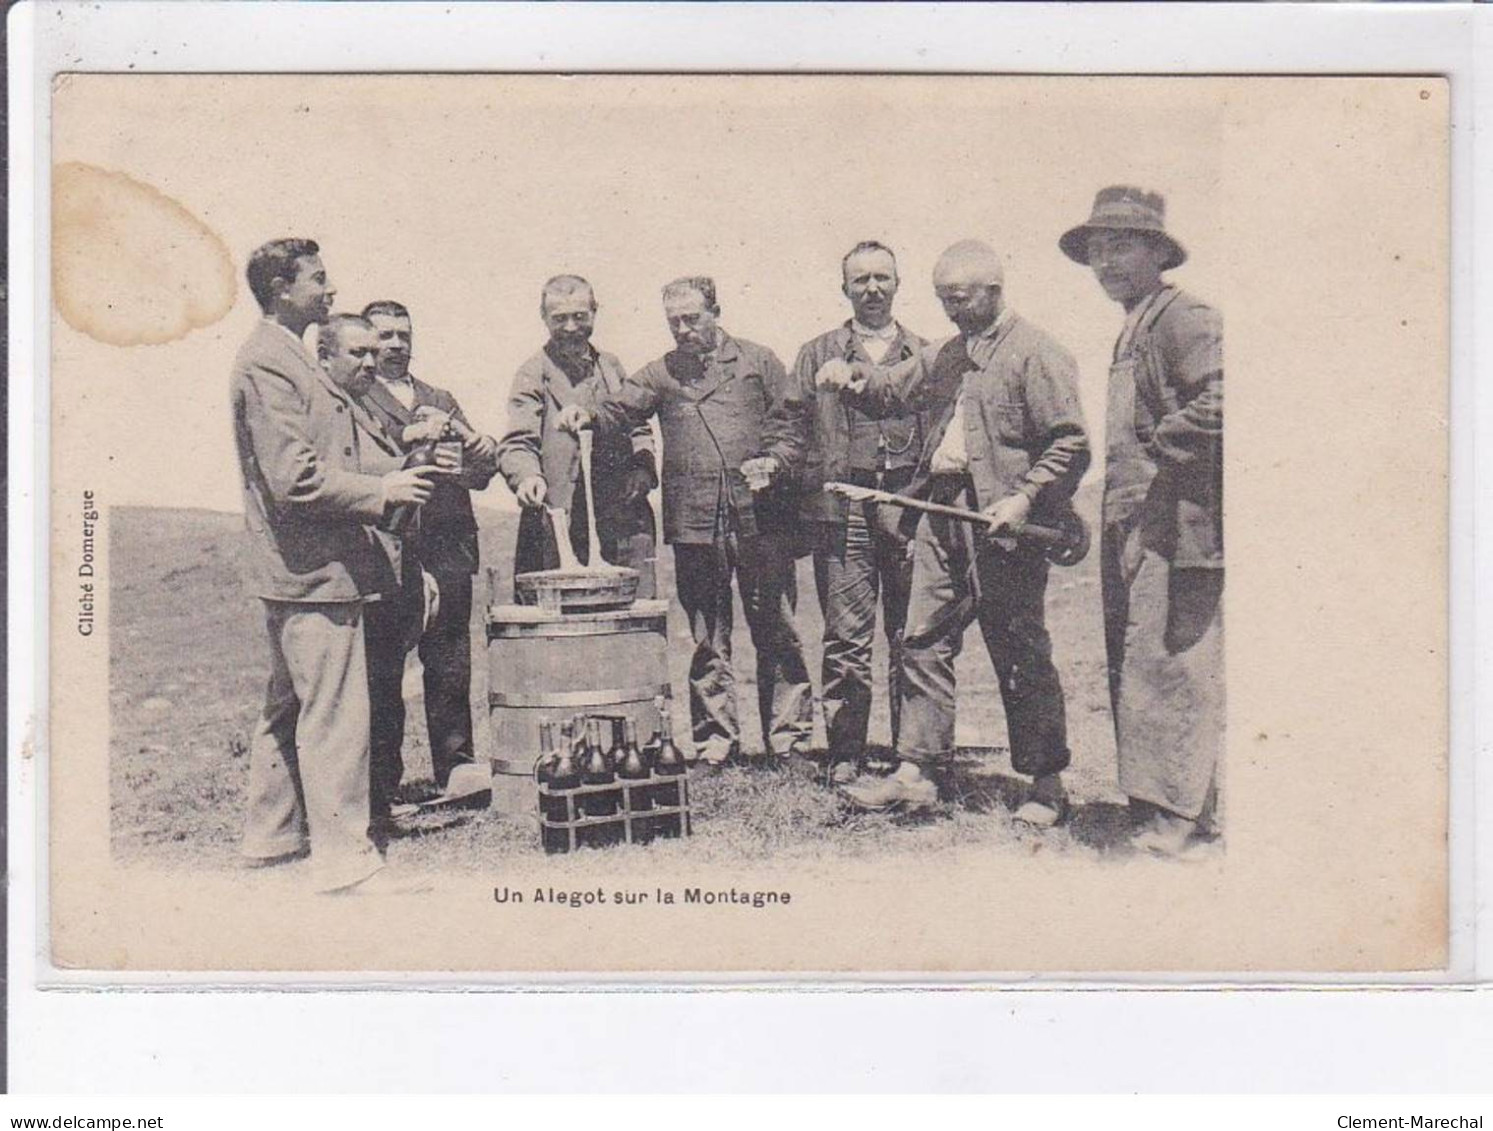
(1006, 437)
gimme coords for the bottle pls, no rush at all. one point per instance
(551, 808)
(668, 764)
(597, 770)
(564, 775)
(633, 770)
(446, 453)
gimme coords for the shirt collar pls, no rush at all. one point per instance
(887, 333)
(1002, 320)
(407, 379)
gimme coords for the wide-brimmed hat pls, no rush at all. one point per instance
(1122, 208)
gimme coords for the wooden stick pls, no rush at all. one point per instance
(588, 437)
(1042, 535)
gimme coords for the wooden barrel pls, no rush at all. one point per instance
(545, 665)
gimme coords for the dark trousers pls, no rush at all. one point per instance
(764, 571)
(446, 653)
(1010, 606)
(853, 565)
(387, 630)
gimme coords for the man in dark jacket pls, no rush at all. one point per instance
(541, 462)
(1162, 542)
(416, 414)
(1007, 438)
(733, 431)
(859, 553)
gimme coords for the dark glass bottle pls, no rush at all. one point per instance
(633, 769)
(564, 775)
(596, 769)
(668, 764)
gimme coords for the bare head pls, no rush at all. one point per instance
(968, 280)
(568, 306)
(691, 311)
(348, 348)
(391, 322)
(289, 282)
(869, 274)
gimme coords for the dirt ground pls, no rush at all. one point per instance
(189, 661)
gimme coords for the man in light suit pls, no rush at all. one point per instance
(415, 414)
(314, 562)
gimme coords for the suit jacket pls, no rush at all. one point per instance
(447, 537)
(828, 454)
(533, 445)
(311, 477)
(714, 417)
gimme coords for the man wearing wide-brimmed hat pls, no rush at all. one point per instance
(1162, 544)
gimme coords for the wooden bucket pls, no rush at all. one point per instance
(543, 665)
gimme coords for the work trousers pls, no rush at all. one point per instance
(1164, 632)
(1008, 598)
(390, 626)
(853, 565)
(764, 570)
(446, 653)
(308, 760)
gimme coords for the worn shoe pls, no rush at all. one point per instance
(1168, 835)
(906, 790)
(1046, 805)
(842, 772)
(256, 863)
(384, 882)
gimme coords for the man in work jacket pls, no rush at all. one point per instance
(733, 429)
(310, 503)
(415, 414)
(542, 463)
(859, 553)
(1162, 542)
(1007, 438)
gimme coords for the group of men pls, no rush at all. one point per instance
(989, 421)
(363, 546)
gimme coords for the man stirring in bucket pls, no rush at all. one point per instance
(541, 462)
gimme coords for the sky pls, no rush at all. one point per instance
(460, 195)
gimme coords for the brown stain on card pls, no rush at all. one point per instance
(131, 266)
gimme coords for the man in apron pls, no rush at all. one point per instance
(541, 462)
(1162, 542)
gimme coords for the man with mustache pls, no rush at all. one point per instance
(541, 462)
(1007, 438)
(415, 414)
(1162, 544)
(859, 553)
(733, 430)
(310, 501)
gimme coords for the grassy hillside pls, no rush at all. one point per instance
(189, 662)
